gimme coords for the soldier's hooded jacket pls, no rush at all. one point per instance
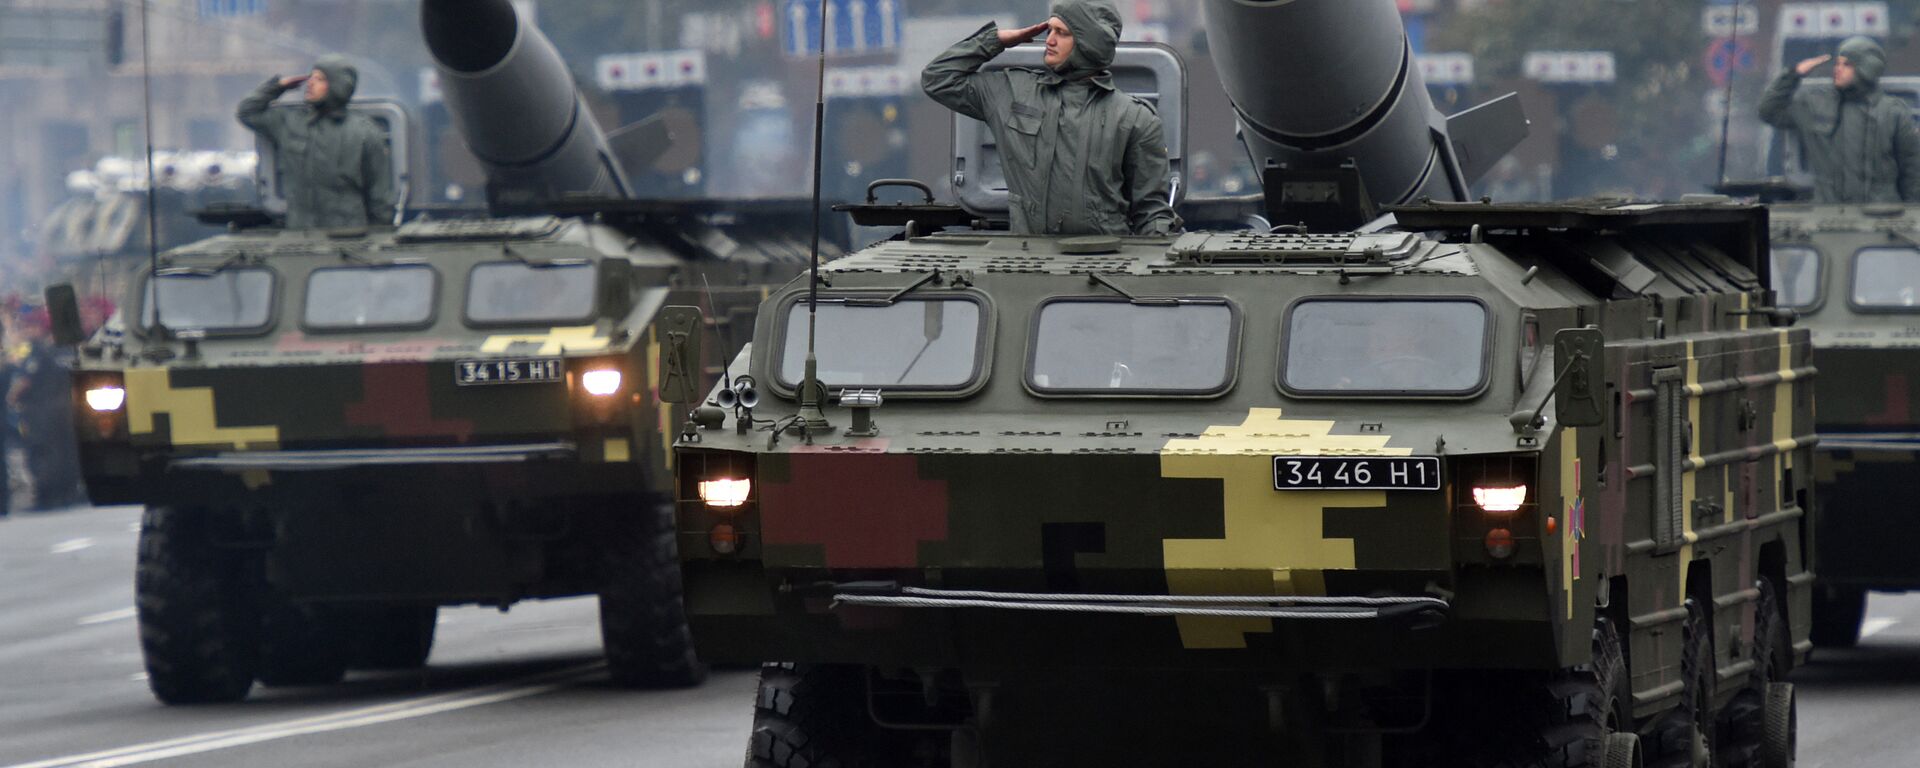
(1859, 142)
(1080, 156)
(334, 164)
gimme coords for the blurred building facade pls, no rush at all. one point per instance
(1644, 124)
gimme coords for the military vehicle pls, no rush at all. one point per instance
(1852, 274)
(97, 238)
(1478, 485)
(337, 432)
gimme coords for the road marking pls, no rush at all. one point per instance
(407, 709)
(102, 618)
(137, 677)
(1872, 627)
(71, 545)
(133, 527)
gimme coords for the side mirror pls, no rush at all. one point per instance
(63, 309)
(1576, 390)
(679, 329)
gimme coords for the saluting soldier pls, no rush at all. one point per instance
(335, 164)
(1081, 156)
(1859, 142)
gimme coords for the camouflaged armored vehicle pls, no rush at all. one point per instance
(337, 432)
(1482, 485)
(1852, 274)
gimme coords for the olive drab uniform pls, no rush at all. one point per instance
(335, 164)
(1080, 156)
(1860, 143)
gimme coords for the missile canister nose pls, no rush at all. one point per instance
(469, 35)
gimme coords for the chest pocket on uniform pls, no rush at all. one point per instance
(1023, 134)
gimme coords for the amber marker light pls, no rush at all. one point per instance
(726, 492)
(600, 383)
(1500, 498)
(106, 399)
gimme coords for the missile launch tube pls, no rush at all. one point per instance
(1316, 83)
(514, 102)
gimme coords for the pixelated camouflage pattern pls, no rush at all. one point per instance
(1005, 490)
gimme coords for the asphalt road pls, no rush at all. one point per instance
(526, 688)
(523, 688)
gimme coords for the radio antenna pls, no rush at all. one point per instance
(153, 217)
(810, 416)
(1733, 68)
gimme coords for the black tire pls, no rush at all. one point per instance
(1621, 750)
(1573, 717)
(1779, 743)
(1690, 743)
(811, 716)
(392, 636)
(301, 645)
(1743, 723)
(198, 627)
(643, 618)
(1837, 615)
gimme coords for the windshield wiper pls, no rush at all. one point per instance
(507, 250)
(894, 298)
(1096, 279)
(237, 259)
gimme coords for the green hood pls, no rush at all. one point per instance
(1867, 57)
(1096, 32)
(342, 79)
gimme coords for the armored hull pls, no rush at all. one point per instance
(1266, 462)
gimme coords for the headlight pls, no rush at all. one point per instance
(725, 492)
(600, 383)
(1500, 498)
(106, 399)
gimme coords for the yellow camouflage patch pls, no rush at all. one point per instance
(1273, 541)
(616, 450)
(1689, 477)
(191, 419)
(1573, 510)
(555, 341)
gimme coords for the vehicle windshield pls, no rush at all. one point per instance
(1887, 278)
(910, 344)
(516, 293)
(1117, 347)
(1796, 276)
(229, 300)
(370, 297)
(1433, 347)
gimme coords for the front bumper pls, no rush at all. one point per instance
(307, 461)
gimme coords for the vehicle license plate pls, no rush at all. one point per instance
(537, 370)
(1350, 473)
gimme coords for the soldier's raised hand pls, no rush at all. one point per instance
(1012, 37)
(1804, 66)
(293, 80)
